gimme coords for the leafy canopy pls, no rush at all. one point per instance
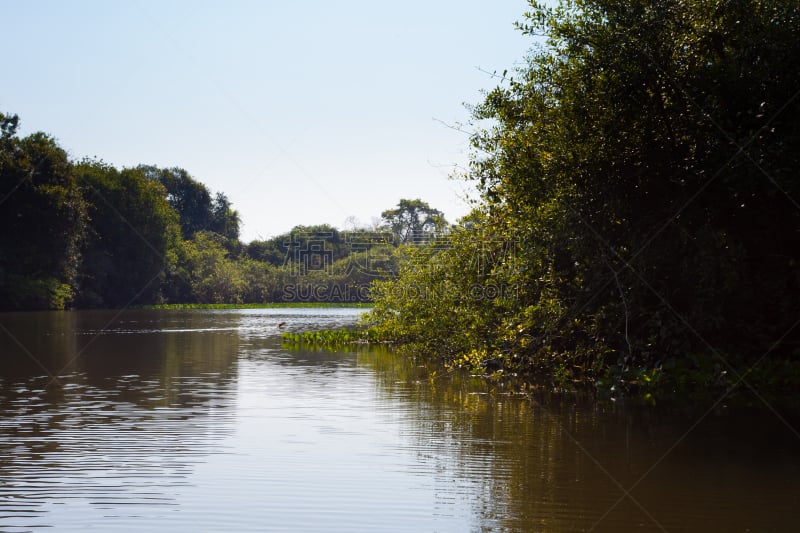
(645, 163)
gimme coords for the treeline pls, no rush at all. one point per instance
(308, 264)
(88, 235)
(640, 222)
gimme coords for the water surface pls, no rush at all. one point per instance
(202, 421)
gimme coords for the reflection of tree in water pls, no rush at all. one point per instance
(558, 464)
(121, 430)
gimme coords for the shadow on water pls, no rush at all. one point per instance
(562, 464)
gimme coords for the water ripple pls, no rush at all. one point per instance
(89, 450)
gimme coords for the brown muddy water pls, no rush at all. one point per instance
(155, 420)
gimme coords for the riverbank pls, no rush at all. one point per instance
(691, 381)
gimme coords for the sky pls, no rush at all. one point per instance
(302, 113)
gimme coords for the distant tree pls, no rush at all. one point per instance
(187, 196)
(414, 221)
(269, 251)
(326, 241)
(225, 220)
(42, 216)
(196, 208)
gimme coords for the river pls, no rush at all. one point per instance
(156, 420)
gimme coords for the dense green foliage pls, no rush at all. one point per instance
(43, 217)
(133, 237)
(640, 221)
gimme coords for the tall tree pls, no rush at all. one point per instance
(197, 209)
(187, 196)
(414, 221)
(42, 215)
(225, 220)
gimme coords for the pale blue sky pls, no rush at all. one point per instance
(301, 112)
